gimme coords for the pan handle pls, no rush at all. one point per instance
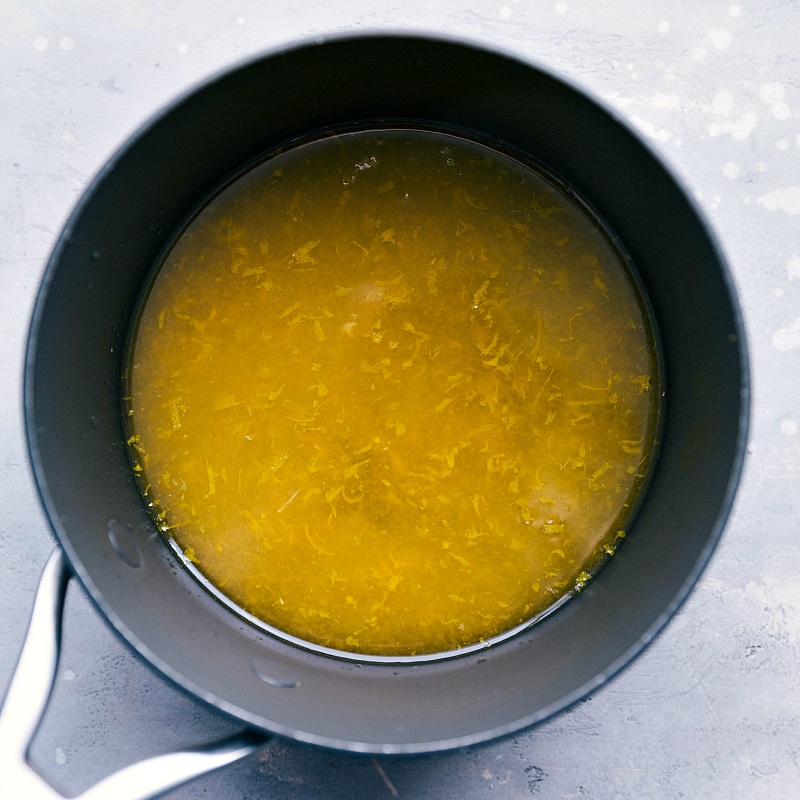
(29, 693)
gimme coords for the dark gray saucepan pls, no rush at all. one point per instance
(75, 434)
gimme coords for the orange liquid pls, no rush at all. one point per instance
(392, 393)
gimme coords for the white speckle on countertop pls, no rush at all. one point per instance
(723, 102)
(650, 130)
(793, 267)
(731, 170)
(719, 39)
(786, 200)
(740, 129)
(505, 12)
(560, 7)
(782, 144)
(66, 43)
(183, 48)
(773, 95)
(788, 427)
(41, 43)
(663, 26)
(780, 600)
(788, 338)
(666, 102)
(735, 11)
(240, 21)
(781, 111)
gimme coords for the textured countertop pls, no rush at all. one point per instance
(712, 708)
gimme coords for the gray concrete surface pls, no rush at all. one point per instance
(712, 709)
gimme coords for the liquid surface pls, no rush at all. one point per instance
(391, 392)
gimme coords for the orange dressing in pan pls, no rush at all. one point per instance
(392, 393)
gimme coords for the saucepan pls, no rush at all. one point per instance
(107, 540)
